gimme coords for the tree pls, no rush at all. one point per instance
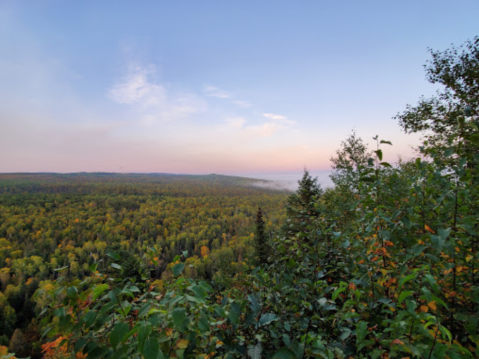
(444, 118)
(261, 248)
(350, 159)
(18, 344)
(302, 203)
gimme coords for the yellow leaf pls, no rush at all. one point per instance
(424, 309)
(432, 305)
(468, 258)
(182, 344)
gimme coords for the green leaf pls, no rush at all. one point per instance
(143, 333)
(444, 233)
(337, 292)
(361, 331)
(97, 353)
(406, 279)
(99, 290)
(254, 303)
(72, 292)
(144, 310)
(449, 152)
(284, 353)
(151, 348)
(234, 314)
(267, 318)
(89, 318)
(386, 142)
(254, 351)
(404, 295)
(128, 292)
(385, 164)
(130, 333)
(234, 317)
(365, 343)
(179, 318)
(379, 153)
(116, 266)
(220, 311)
(118, 333)
(200, 292)
(178, 268)
(114, 256)
(93, 267)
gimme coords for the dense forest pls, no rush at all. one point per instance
(55, 225)
(382, 265)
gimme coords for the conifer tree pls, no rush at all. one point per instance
(301, 207)
(260, 239)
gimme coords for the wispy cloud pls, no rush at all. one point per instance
(146, 95)
(241, 103)
(274, 116)
(213, 91)
(136, 88)
(279, 118)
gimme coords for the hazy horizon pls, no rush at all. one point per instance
(282, 180)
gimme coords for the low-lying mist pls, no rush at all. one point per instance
(289, 180)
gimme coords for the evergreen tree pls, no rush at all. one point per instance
(260, 240)
(301, 206)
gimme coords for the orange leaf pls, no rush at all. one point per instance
(427, 228)
(424, 309)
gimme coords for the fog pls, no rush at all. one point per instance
(289, 180)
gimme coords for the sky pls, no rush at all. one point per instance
(229, 87)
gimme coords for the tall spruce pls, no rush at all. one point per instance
(260, 240)
(301, 207)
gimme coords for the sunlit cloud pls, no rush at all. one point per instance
(274, 117)
(213, 91)
(136, 88)
(279, 118)
(151, 100)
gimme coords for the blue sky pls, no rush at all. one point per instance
(233, 87)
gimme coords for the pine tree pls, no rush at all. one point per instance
(260, 240)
